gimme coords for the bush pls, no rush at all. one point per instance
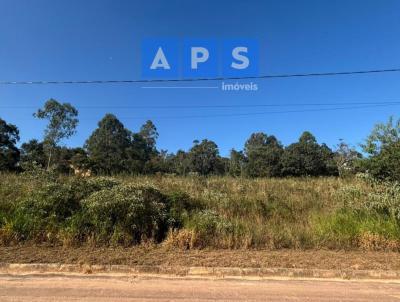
(217, 212)
(51, 209)
(210, 229)
(385, 201)
(180, 207)
(101, 183)
(41, 213)
(127, 214)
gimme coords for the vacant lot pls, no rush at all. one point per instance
(195, 213)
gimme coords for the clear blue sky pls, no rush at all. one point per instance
(96, 39)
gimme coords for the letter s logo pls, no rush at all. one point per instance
(240, 58)
(236, 54)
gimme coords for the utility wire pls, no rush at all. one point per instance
(217, 106)
(260, 113)
(298, 75)
(252, 113)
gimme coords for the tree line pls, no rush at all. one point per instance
(114, 149)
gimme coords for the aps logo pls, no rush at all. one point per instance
(195, 58)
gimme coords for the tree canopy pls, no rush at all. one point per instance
(113, 149)
(62, 123)
(9, 153)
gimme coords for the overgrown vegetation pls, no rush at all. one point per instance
(196, 212)
(197, 198)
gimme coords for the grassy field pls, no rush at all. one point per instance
(200, 213)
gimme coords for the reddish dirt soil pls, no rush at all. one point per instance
(157, 255)
(89, 289)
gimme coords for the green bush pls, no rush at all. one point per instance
(385, 201)
(180, 207)
(101, 183)
(217, 212)
(127, 213)
(53, 206)
(48, 207)
(209, 228)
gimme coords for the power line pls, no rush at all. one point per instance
(217, 106)
(253, 113)
(298, 75)
(260, 113)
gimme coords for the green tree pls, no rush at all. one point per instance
(62, 123)
(386, 164)
(263, 154)
(108, 146)
(382, 135)
(33, 153)
(346, 159)
(383, 147)
(307, 158)
(180, 163)
(160, 163)
(144, 154)
(149, 132)
(138, 154)
(237, 163)
(9, 153)
(79, 159)
(204, 158)
(67, 158)
(114, 149)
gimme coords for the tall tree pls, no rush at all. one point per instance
(180, 163)
(237, 163)
(107, 146)
(263, 154)
(382, 135)
(307, 158)
(346, 159)
(204, 158)
(9, 153)
(383, 147)
(62, 123)
(149, 132)
(386, 164)
(33, 152)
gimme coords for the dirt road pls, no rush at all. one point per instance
(105, 289)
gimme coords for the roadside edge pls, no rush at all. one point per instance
(198, 272)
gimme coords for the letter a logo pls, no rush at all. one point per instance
(160, 61)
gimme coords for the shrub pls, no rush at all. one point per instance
(180, 207)
(40, 213)
(101, 183)
(209, 229)
(217, 212)
(385, 201)
(127, 213)
(52, 209)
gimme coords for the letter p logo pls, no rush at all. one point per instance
(200, 58)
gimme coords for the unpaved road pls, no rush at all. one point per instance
(105, 289)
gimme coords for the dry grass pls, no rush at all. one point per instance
(232, 213)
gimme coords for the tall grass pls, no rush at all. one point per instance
(215, 212)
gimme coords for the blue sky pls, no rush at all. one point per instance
(101, 40)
